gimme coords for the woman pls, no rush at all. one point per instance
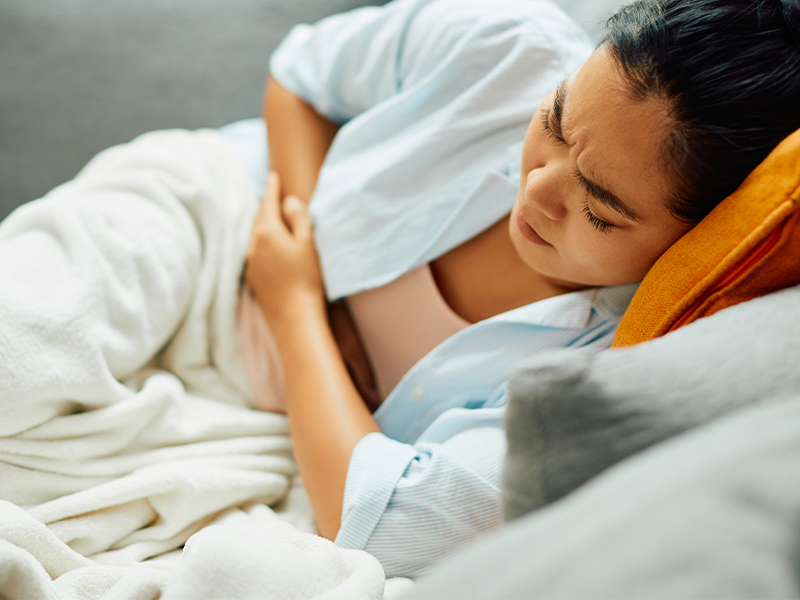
(679, 102)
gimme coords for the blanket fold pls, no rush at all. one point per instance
(123, 400)
(126, 423)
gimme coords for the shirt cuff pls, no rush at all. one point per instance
(376, 466)
(283, 63)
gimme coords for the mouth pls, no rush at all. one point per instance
(528, 232)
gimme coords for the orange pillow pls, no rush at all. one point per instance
(748, 246)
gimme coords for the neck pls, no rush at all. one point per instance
(485, 276)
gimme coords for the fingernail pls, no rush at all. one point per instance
(293, 203)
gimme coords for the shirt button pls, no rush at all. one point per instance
(418, 393)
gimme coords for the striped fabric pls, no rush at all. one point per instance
(429, 483)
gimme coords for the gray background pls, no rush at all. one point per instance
(77, 76)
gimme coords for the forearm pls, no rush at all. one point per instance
(298, 139)
(327, 417)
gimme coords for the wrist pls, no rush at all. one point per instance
(295, 314)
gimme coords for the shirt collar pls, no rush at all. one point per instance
(573, 310)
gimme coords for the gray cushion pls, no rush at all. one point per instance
(670, 469)
(572, 415)
(712, 513)
(81, 75)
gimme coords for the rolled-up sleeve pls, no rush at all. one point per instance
(348, 63)
(344, 64)
(410, 506)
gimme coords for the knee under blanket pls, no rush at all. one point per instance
(125, 424)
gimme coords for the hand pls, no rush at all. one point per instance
(282, 263)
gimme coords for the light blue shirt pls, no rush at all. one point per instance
(434, 97)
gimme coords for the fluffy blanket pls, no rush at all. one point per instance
(125, 423)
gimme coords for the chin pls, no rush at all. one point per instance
(558, 278)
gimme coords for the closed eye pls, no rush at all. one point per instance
(552, 133)
(551, 123)
(596, 221)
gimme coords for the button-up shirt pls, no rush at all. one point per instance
(434, 98)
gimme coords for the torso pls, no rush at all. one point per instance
(401, 322)
(480, 278)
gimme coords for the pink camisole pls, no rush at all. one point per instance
(399, 323)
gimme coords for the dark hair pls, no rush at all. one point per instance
(729, 72)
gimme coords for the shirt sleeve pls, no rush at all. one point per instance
(349, 62)
(410, 506)
(431, 95)
(345, 63)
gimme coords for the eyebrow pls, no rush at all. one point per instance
(603, 195)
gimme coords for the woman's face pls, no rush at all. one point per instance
(591, 208)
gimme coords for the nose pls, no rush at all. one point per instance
(545, 192)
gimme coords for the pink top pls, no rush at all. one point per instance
(399, 323)
(262, 363)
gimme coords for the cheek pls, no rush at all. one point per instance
(607, 258)
(590, 247)
(633, 259)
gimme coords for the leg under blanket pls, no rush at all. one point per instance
(125, 422)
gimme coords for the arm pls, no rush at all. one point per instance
(344, 66)
(327, 417)
(298, 139)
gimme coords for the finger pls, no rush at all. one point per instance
(296, 215)
(270, 210)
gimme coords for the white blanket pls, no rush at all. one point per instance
(125, 424)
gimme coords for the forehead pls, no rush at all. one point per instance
(616, 140)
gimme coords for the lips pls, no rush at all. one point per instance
(528, 232)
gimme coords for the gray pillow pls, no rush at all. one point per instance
(572, 415)
(712, 513)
